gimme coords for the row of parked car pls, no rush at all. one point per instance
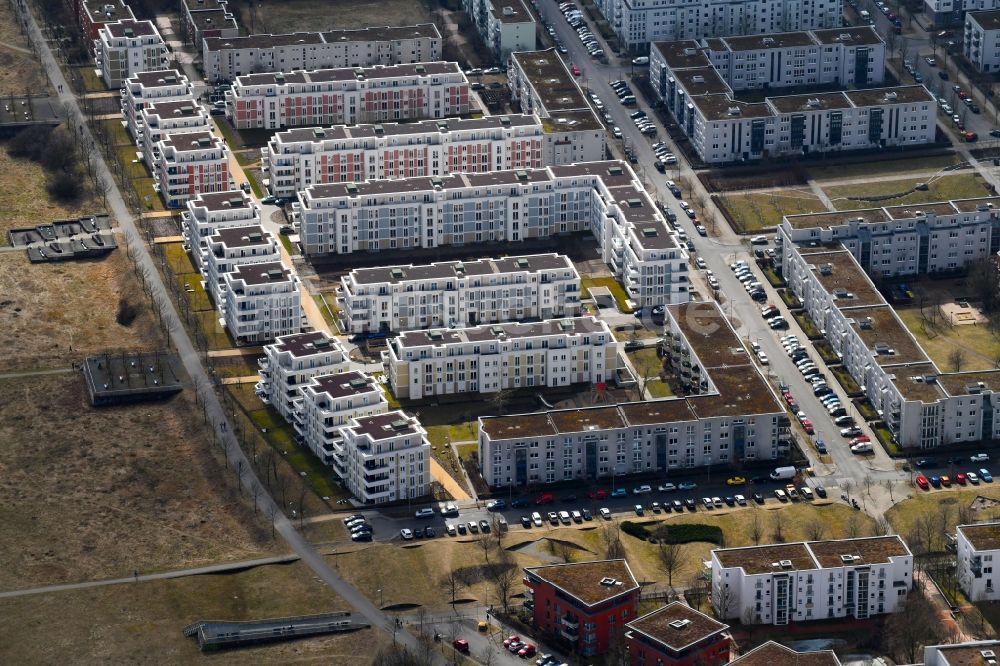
(756, 291)
(625, 94)
(575, 18)
(642, 121)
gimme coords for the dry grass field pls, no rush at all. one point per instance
(278, 16)
(20, 72)
(141, 623)
(91, 493)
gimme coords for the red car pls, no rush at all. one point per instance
(960, 478)
(807, 425)
(461, 645)
(970, 137)
(922, 482)
(527, 651)
(789, 398)
(860, 439)
(600, 493)
(513, 638)
(575, 70)
(545, 498)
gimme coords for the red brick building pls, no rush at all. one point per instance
(584, 606)
(775, 654)
(95, 14)
(677, 635)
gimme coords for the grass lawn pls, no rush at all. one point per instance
(215, 334)
(91, 81)
(19, 71)
(281, 16)
(461, 432)
(658, 388)
(645, 361)
(807, 326)
(118, 135)
(955, 186)
(328, 311)
(466, 451)
(755, 211)
(883, 168)
(286, 242)
(235, 366)
(940, 340)
(617, 291)
(904, 515)
(178, 259)
(145, 620)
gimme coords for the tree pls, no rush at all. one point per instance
(889, 485)
(611, 537)
(485, 542)
(500, 400)
(814, 530)
(64, 186)
(778, 526)
(847, 485)
(505, 576)
(868, 481)
(722, 599)
(668, 555)
(956, 359)
(853, 526)
(756, 526)
(910, 628)
(882, 526)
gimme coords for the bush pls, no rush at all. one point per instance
(636, 530)
(689, 533)
(65, 186)
(30, 143)
(127, 312)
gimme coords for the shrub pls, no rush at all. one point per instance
(688, 533)
(636, 530)
(30, 143)
(65, 186)
(127, 312)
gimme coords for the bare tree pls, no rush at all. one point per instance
(882, 526)
(486, 543)
(847, 485)
(722, 599)
(756, 526)
(956, 359)
(926, 528)
(915, 625)
(853, 526)
(890, 485)
(778, 526)
(668, 555)
(505, 577)
(500, 400)
(868, 481)
(814, 530)
(611, 537)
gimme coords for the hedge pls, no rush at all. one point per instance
(636, 530)
(682, 533)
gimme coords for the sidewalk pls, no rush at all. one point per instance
(449, 484)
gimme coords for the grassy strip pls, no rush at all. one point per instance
(808, 326)
(617, 291)
(790, 299)
(866, 410)
(776, 280)
(847, 381)
(286, 242)
(884, 436)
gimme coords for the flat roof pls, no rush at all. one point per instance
(531, 263)
(838, 270)
(273, 271)
(883, 327)
(222, 200)
(521, 425)
(138, 28)
(972, 205)
(369, 34)
(774, 654)
(909, 211)
(682, 53)
(677, 626)
(551, 80)
(372, 130)
(173, 109)
(880, 96)
(982, 536)
(386, 426)
(758, 559)
(375, 72)
(242, 236)
(741, 391)
(305, 344)
(160, 78)
(966, 383)
(587, 419)
(188, 141)
(911, 382)
(723, 106)
(836, 218)
(702, 81)
(101, 11)
(613, 173)
(708, 332)
(588, 581)
(497, 332)
(810, 102)
(987, 20)
(511, 11)
(345, 384)
(855, 36)
(650, 412)
(773, 41)
(195, 5)
(213, 18)
(871, 550)
(569, 120)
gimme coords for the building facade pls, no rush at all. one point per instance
(981, 40)
(505, 26)
(583, 606)
(977, 552)
(677, 635)
(207, 18)
(159, 119)
(227, 57)
(342, 96)
(454, 293)
(291, 362)
(516, 206)
(208, 213)
(233, 247)
(300, 157)
(93, 15)
(328, 403)
(386, 458)
(187, 164)
(949, 13)
(128, 47)
(815, 580)
(491, 358)
(146, 88)
(733, 416)
(261, 303)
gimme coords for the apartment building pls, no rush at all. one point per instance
(261, 303)
(977, 549)
(188, 164)
(516, 206)
(952, 13)
(491, 358)
(771, 654)
(724, 129)
(92, 15)
(732, 416)
(159, 119)
(677, 635)
(209, 212)
(923, 407)
(977, 653)
(505, 26)
(127, 47)
(981, 40)
(227, 57)
(813, 580)
(386, 458)
(460, 293)
(300, 157)
(291, 362)
(846, 57)
(328, 403)
(233, 247)
(145, 88)
(208, 18)
(639, 22)
(339, 96)
(582, 606)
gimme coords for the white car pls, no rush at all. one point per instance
(536, 519)
(641, 60)
(700, 263)
(605, 513)
(762, 357)
(425, 513)
(666, 487)
(617, 132)
(979, 457)
(642, 490)
(406, 533)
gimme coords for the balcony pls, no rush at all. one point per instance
(569, 622)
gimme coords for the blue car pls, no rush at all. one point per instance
(619, 492)
(935, 481)
(985, 475)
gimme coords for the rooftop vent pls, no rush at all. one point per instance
(785, 564)
(204, 142)
(826, 269)
(319, 133)
(690, 51)
(275, 274)
(352, 188)
(649, 232)
(321, 343)
(378, 129)
(508, 10)
(973, 389)
(930, 379)
(436, 183)
(891, 96)
(565, 325)
(279, 78)
(884, 349)
(847, 559)
(633, 203)
(505, 121)
(521, 174)
(497, 330)
(812, 102)
(845, 37)
(523, 263)
(255, 237)
(680, 624)
(733, 110)
(435, 335)
(459, 268)
(767, 40)
(697, 78)
(419, 69)
(396, 273)
(187, 110)
(233, 203)
(988, 654)
(866, 324)
(399, 424)
(609, 581)
(129, 32)
(615, 171)
(358, 383)
(169, 79)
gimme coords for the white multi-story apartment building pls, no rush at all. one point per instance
(723, 129)
(124, 48)
(291, 362)
(947, 13)
(300, 157)
(638, 22)
(187, 164)
(225, 58)
(233, 247)
(261, 303)
(348, 95)
(734, 418)
(460, 293)
(846, 57)
(982, 40)
(158, 119)
(208, 213)
(386, 458)
(977, 553)
(923, 407)
(145, 88)
(504, 25)
(328, 403)
(498, 357)
(208, 18)
(984, 653)
(814, 580)
(505, 206)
